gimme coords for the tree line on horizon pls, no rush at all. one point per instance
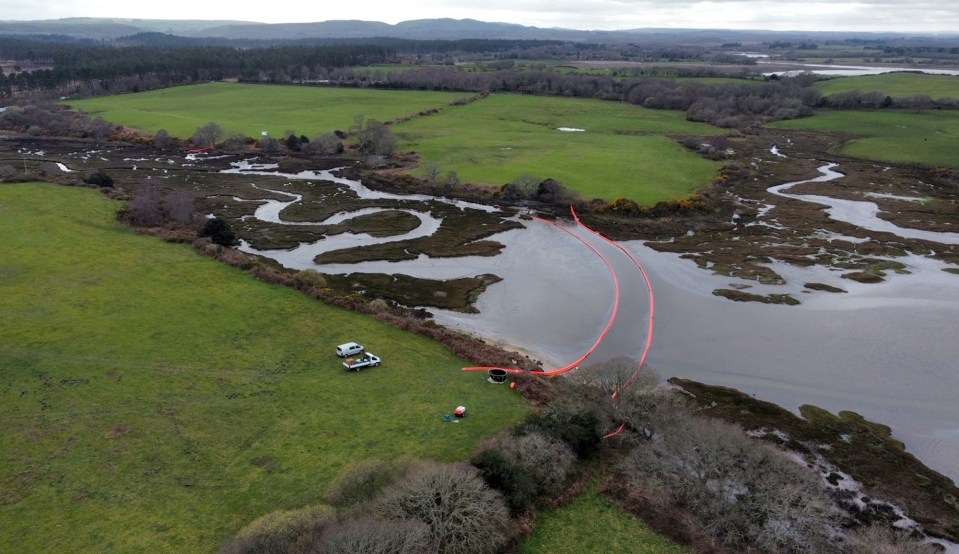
(76, 68)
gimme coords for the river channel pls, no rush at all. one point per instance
(887, 351)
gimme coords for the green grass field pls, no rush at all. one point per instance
(251, 109)
(896, 85)
(152, 399)
(624, 150)
(928, 138)
(594, 524)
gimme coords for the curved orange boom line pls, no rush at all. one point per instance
(602, 335)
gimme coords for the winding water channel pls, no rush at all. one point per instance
(887, 350)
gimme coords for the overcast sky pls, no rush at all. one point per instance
(925, 16)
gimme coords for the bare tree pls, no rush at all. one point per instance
(100, 130)
(162, 139)
(325, 144)
(179, 207)
(545, 460)
(460, 511)
(208, 135)
(377, 139)
(373, 536)
(146, 207)
(745, 494)
(431, 171)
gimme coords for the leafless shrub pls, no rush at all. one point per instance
(648, 412)
(325, 144)
(612, 375)
(739, 492)
(146, 208)
(179, 207)
(208, 135)
(460, 511)
(879, 539)
(373, 536)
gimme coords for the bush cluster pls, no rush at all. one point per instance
(524, 467)
(426, 508)
(528, 188)
(155, 206)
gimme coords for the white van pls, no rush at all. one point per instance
(348, 349)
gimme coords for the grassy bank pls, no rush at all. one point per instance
(622, 150)
(929, 138)
(152, 399)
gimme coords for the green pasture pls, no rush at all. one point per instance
(624, 150)
(251, 109)
(594, 524)
(154, 400)
(896, 85)
(930, 138)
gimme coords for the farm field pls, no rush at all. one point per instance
(622, 150)
(929, 138)
(153, 399)
(594, 524)
(896, 85)
(252, 109)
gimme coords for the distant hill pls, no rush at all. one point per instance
(419, 29)
(108, 28)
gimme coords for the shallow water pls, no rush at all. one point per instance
(859, 213)
(887, 350)
(853, 70)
